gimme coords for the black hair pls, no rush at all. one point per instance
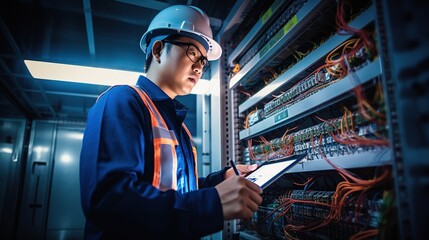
(167, 49)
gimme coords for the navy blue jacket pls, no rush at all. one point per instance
(116, 171)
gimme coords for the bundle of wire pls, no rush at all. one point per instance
(336, 64)
(285, 149)
(346, 133)
(366, 109)
(343, 193)
(337, 61)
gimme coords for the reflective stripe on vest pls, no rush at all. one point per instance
(164, 146)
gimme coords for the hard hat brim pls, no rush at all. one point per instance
(214, 50)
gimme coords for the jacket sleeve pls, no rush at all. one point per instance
(212, 179)
(117, 197)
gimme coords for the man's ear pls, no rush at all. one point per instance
(156, 50)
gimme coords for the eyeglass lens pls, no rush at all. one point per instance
(196, 56)
(193, 53)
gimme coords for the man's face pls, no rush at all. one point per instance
(178, 73)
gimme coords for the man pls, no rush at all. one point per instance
(138, 160)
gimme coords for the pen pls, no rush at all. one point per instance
(234, 167)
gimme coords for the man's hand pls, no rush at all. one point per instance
(242, 169)
(239, 197)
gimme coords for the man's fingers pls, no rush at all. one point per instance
(254, 187)
(247, 168)
(253, 205)
(252, 167)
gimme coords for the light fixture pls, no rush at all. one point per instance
(66, 158)
(6, 150)
(92, 75)
(75, 135)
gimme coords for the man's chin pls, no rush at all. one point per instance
(185, 92)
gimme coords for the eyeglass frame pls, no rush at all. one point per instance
(205, 65)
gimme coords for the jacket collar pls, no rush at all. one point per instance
(156, 94)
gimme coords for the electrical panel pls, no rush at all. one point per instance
(306, 77)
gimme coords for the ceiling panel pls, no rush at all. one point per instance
(57, 31)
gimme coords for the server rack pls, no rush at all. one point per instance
(321, 78)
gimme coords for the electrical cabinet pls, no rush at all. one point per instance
(319, 78)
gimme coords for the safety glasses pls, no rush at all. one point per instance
(193, 53)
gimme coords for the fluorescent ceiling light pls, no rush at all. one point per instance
(5, 150)
(93, 75)
(75, 135)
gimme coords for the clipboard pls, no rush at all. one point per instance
(270, 171)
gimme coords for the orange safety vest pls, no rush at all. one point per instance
(164, 146)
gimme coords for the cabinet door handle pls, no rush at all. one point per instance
(36, 164)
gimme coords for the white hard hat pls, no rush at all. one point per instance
(183, 20)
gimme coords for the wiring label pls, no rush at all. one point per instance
(266, 15)
(288, 26)
(273, 41)
(281, 116)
